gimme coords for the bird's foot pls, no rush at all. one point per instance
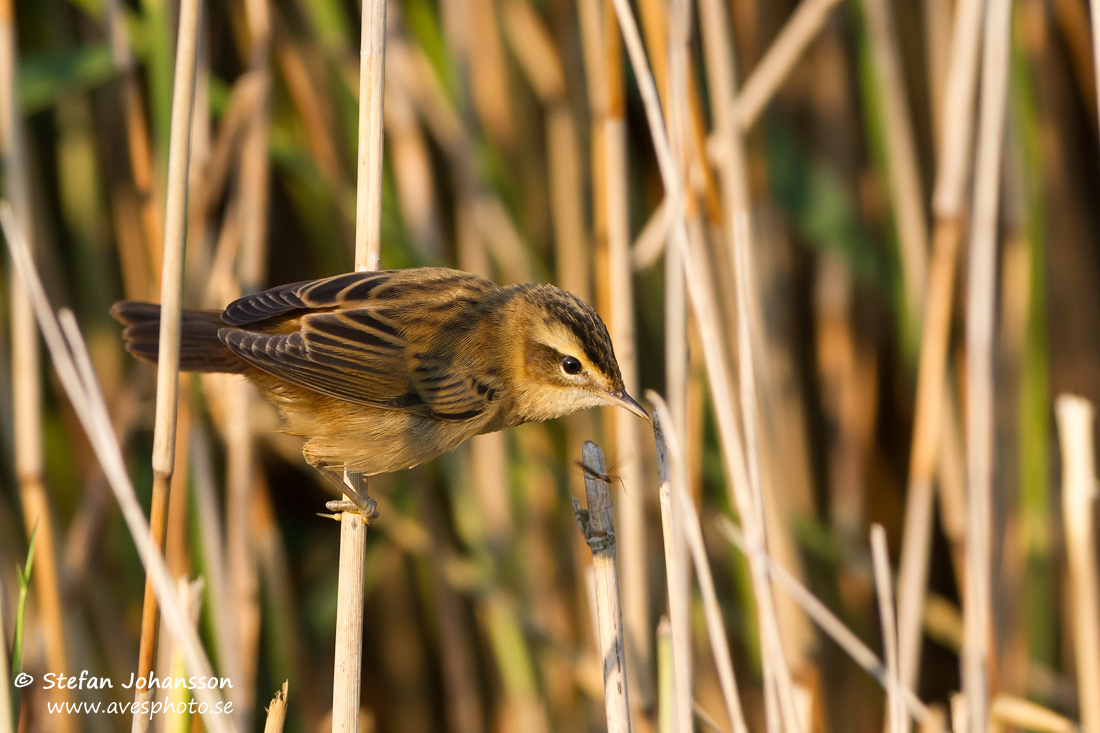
(355, 489)
(366, 507)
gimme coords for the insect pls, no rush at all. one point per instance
(385, 370)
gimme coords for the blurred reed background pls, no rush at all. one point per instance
(825, 170)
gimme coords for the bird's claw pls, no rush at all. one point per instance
(368, 509)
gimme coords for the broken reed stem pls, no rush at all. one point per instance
(668, 441)
(833, 627)
(348, 665)
(74, 370)
(772, 70)
(1079, 490)
(598, 529)
(980, 313)
(679, 590)
(276, 711)
(25, 366)
(175, 235)
(884, 587)
(931, 396)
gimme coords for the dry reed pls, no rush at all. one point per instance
(171, 280)
(750, 506)
(679, 592)
(1079, 487)
(884, 588)
(488, 152)
(932, 392)
(27, 422)
(982, 277)
(772, 70)
(669, 443)
(74, 370)
(276, 711)
(1011, 712)
(347, 670)
(859, 652)
(598, 529)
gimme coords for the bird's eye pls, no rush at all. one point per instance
(571, 365)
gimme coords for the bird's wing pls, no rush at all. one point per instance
(370, 339)
(351, 290)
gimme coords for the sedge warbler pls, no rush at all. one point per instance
(384, 370)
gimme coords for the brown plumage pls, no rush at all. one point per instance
(385, 370)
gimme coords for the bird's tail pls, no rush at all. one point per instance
(200, 348)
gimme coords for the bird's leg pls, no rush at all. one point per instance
(355, 489)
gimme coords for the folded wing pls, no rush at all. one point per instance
(384, 339)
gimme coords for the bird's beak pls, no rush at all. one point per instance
(622, 399)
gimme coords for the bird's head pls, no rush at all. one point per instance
(567, 362)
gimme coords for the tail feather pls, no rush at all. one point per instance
(201, 350)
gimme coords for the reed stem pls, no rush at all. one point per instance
(175, 237)
(598, 528)
(347, 670)
(1079, 486)
(980, 312)
(74, 371)
(26, 379)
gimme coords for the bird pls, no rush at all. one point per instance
(384, 370)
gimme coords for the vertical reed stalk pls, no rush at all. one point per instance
(347, 670)
(668, 443)
(1075, 428)
(175, 234)
(704, 305)
(679, 590)
(677, 567)
(212, 548)
(368, 200)
(631, 507)
(598, 529)
(932, 396)
(666, 682)
(884, 586)
(1094, 24)
(26, 365)
(981, 294)
(241, 464)
(736, 207)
